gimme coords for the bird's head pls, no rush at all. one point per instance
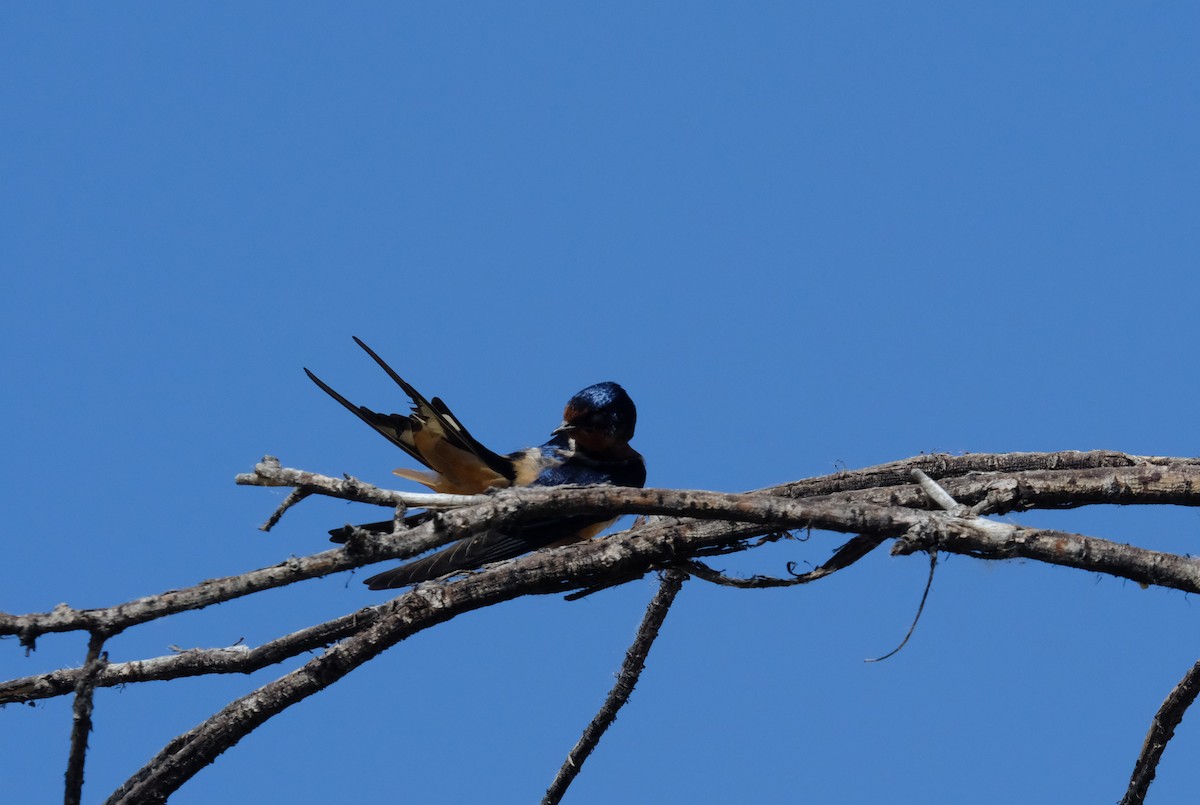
(600, 416)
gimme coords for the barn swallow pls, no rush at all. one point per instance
(590, 446)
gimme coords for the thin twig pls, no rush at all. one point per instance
(295, 496)
(920, 608)
(81, 718)
(269, 472)
(842, 558)
(631, 669)
(706, 573)
(935, 492)
(1162, 729)
(947, 502)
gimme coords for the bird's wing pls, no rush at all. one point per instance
(437, 417)
(433, 436)
(396, 428)
(490, 546)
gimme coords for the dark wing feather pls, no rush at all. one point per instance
(456, 434)
(469, 554)
(463, 438)
(391, 426)
(340, 535)
(493, 546)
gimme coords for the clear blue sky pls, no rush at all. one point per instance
(804, 237)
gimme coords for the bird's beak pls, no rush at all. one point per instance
(565, 427)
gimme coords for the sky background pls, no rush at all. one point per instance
(805, 237)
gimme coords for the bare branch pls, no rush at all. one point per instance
(140, 610)
(427, 605)
(497, 510)
(1175, 482)
(1058, 489)
(622, 556)
(944, 465)
(703, 571)
(193, 662)
(631, 670)
(881, 479)
(964, 536)
(1162, 729)
(269, 472)
(875, 504)
(1001, 541)
(845, 556)
(295, 496)
(81, 719)
(626, 556)
(935, 492)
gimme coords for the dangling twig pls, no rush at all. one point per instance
(920, 608)
(945, 500)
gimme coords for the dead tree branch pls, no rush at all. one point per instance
(1177, 483)
(193, 662)
(1162, 729)
(81, 725)
(631, 670)
(944, 511)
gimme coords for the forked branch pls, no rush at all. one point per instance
(944, 512)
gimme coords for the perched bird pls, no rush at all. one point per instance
(591, 446)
